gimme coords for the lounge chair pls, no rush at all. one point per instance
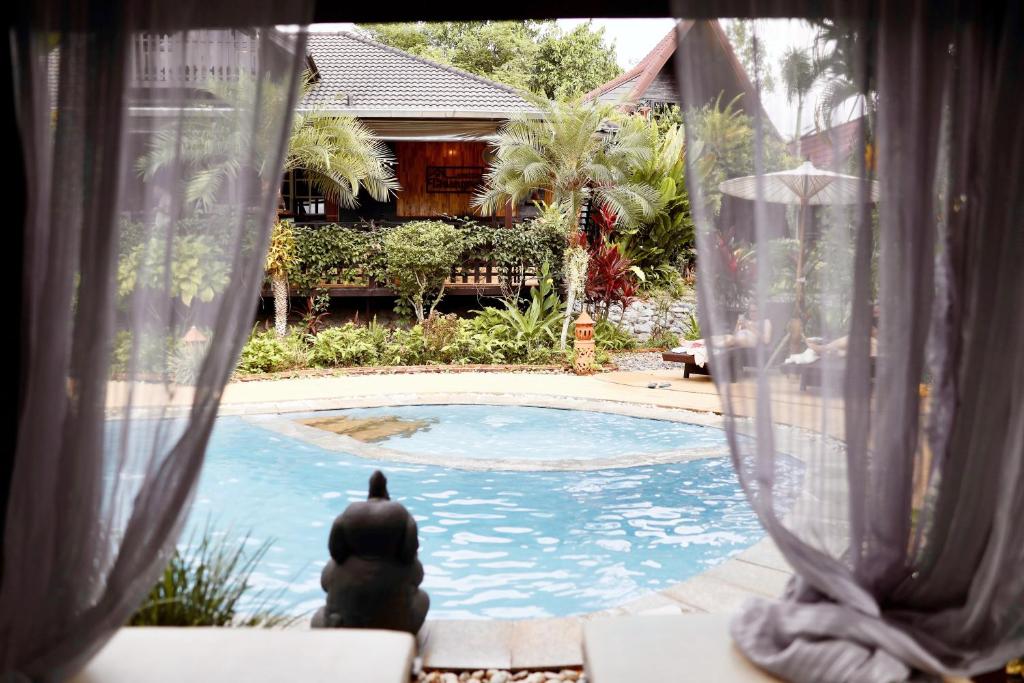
(690, 366)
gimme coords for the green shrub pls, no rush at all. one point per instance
(203, 585)
(419, 258)
(611, 337)
(345, 345)
(266, 352)
(693, 332)
(153, 355)
(663, 339)
(405, 347)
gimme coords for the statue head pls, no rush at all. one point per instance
(378, 486)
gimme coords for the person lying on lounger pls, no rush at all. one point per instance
(835, 348)
(751, 330)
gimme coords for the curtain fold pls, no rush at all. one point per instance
(154, 139)
(895, 373)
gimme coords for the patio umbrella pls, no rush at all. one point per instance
(803, 185)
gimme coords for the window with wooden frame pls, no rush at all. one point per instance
(301, 197)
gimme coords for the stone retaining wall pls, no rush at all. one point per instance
(645, 317)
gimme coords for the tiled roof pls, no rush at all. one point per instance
(362, 77)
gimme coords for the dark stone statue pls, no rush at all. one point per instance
(372, 579)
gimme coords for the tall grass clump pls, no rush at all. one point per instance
(204, 585)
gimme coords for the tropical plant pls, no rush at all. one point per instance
(578, 152)
(610, 337)
(693, 331)
(611, 276)
(536, 325)
(208, 147)
(663, 339)
(720, 145)
(799, 72)
(844, 55)
(267, 352)
(611, 279)
(208, 583)
(654, 245)
(735, 271)
(198, 269)
(280, 261)
(339, 156)
(420, 256)
(344, 345)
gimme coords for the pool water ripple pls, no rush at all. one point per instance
(494, 544)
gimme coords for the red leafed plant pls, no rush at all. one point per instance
(610, 275)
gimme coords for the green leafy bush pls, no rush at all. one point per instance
(266, 352)
(419, 258)
(655, 245)
(536, 326)
(153, 355)
(664, 339)
(345, 345)
(405, 347)
(611, 337)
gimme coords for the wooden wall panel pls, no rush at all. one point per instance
(413, 160)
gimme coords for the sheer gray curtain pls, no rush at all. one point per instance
(154, 136)
(884, 281)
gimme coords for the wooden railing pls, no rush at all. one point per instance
(473, 277)
(164, 60)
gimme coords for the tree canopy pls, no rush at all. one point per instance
(537, 56)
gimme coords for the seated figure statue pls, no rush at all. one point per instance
(372, 579)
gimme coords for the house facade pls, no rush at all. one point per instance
(437, 121)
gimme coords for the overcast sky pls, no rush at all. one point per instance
(634, 38)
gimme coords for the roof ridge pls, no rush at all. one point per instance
(637, 70)
(429, 62)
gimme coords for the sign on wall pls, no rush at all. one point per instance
(454, 179)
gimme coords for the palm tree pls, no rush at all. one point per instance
(578, 152)
(339, 154)
(280, 260)
(844, 56)
(799, 73)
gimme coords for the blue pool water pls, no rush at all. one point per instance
(494, 544)
(529, 433)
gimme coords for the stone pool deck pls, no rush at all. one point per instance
(759, 571)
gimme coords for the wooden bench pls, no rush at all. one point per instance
(690, 366)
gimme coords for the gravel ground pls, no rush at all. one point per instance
(643, 361)
(498, 676)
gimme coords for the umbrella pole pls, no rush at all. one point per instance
(795, 324)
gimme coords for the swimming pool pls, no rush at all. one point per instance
(494, 544)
